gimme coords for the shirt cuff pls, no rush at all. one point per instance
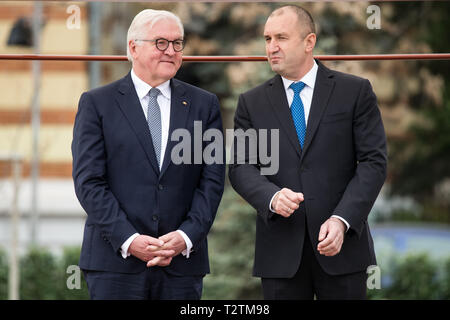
(126, 245)
(270, 203)
(343, 220)
(186, 252)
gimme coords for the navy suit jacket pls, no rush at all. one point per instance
(120, 186)
(340, 170)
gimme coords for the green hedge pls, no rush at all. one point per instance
(43, 276)
(415, 276)
(231, 247)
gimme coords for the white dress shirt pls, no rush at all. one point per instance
(306, 95)
(142, 90)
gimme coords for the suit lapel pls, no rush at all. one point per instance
(131, 108)
(179, 109)
(322, 90)
(280, 106)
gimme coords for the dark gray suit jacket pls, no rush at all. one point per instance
(340, 170)
(120, 186)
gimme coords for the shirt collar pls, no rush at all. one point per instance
(309, 78)
(142, 87)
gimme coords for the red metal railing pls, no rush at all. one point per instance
(421, 56)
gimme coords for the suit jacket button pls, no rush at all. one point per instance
(155, 217)
(160, 187)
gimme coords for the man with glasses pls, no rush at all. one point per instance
(312, 236)
(147, 218)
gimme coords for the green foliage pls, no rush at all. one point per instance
(43, 275)
(3, 275)
(231, 250)
(38, 280)
(446, 281)
(414, 279)
(415, 276)
(70, 257)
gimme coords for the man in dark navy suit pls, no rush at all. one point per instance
(312, 236)
(148, 217)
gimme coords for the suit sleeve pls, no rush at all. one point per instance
(89, 175)
(209, 191)
(245, 177)
(371, 156)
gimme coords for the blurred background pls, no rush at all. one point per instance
(41, 221)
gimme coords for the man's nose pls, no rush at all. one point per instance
(272, 46)
(170, 51)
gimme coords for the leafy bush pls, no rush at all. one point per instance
(446, 282)
(70, 258)
(43, 276)
(231, 250)
(415, 276)
(3, 275)
(38, 275)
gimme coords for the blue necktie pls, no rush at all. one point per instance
(154, 121)
(298, 112)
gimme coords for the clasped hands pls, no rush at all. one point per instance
(157, 251)
(331, 234)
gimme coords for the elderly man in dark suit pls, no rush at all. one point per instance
(312, 235)
(148, 217)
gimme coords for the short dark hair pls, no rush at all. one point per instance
(304, 17)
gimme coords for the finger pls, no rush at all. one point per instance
(285, 211)
(167, 237)
(154, 241)
(153, 262)
(159, 261)
(291, 196)
(333, 247)
(283, 201)
(289, 204)
(324, 245)
(300, 197)
(152, 248)
(164, 262)
(174, 243)
(327, 250)
(327, 241)
(332, 237)
(330, 253)
(323, 231)
(164, 253)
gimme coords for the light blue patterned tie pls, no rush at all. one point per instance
(154, 121)
(298, 112)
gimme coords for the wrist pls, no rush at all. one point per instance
(340, 222)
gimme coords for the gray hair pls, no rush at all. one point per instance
(146, 19)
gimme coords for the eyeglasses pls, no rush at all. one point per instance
(162, 44)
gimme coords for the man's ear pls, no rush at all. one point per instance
(132, 48)
(310, 42)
